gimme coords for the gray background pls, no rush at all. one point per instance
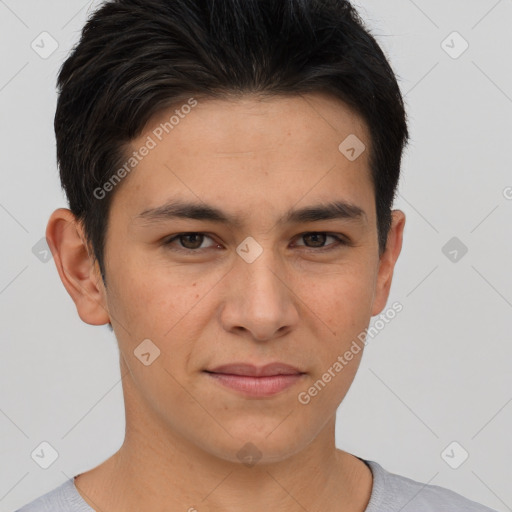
(438, 373)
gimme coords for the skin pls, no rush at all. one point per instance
(256, 159)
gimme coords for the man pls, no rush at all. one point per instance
(230, 169)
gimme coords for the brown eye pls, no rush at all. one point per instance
(191, 241)
(317, 240)
(188, 242)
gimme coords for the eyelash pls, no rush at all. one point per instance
(339, 242)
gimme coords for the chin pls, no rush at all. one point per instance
(250, 446)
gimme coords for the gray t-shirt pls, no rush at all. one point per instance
(390, 493)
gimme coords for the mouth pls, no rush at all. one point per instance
(256, 381)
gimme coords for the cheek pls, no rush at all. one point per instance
(342, 303)
(157, 302)
(342, 300)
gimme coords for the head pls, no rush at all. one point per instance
(250, 124)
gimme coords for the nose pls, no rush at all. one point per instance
(260, 301)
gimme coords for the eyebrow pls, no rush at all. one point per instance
(178, 209)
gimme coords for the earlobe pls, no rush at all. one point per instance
(388, 260)
(76, 267)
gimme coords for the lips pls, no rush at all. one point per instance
(249, 370)
(256, 381)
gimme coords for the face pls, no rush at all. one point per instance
(252, 268)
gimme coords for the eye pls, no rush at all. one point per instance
(317, 240)
(189, 242)
(192, 242)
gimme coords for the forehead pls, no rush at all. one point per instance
(250, 152)
(256, 123)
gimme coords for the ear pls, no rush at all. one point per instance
(77, 269)
(388, 260)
